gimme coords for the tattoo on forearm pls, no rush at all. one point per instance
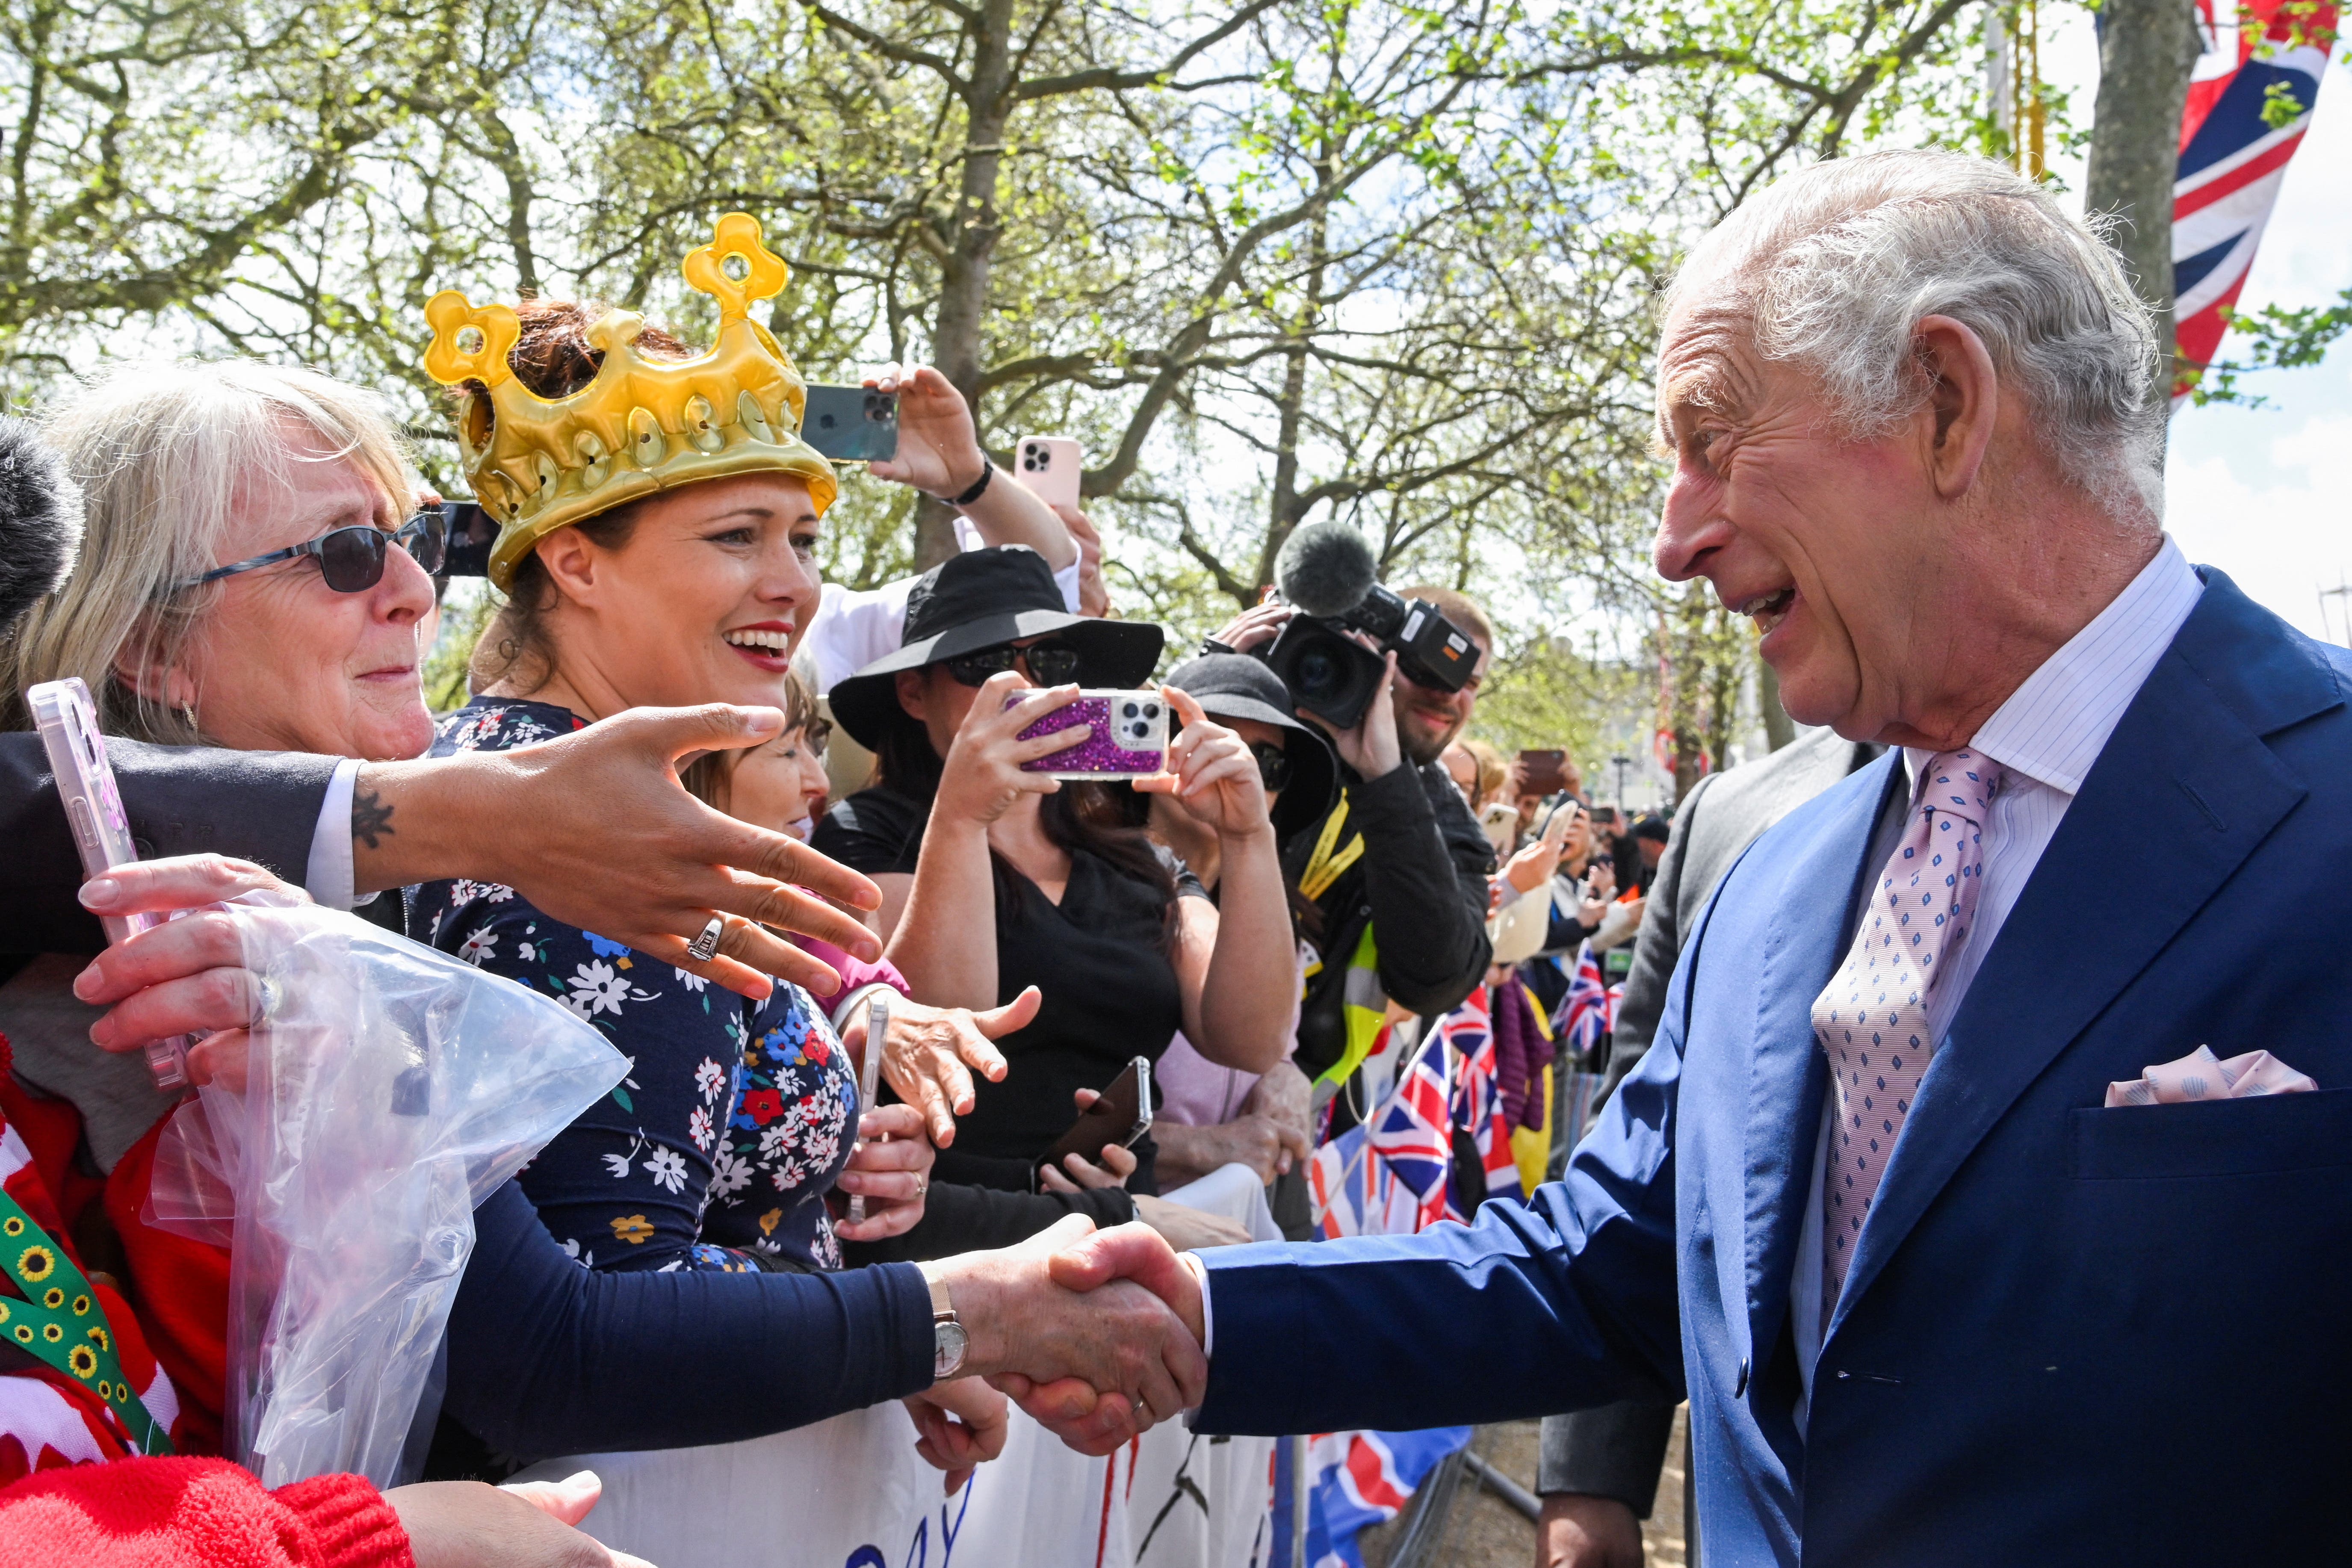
(371, 818)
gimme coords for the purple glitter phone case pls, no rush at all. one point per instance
(1130, 738)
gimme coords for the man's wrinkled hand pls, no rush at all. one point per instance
(1097, 1361)
(1114, 1265)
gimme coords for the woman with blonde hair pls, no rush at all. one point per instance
(250, 575)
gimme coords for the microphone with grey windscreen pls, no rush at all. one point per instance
(1328, 571)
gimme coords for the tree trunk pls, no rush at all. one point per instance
(1290, 409)
(970, 235)
(2147, 49)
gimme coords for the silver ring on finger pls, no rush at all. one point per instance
(265, 1003)
(922, 1185)
(705, 948)
(1143, 1408)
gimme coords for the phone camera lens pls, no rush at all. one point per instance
(1130, 709)
(1151, 710)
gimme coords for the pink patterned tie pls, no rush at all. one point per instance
(1872, 1020)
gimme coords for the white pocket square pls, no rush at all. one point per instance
(2200, 1075)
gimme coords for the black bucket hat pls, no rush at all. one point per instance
(980, 599)
(1235, 686)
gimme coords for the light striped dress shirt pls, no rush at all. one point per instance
(2047, 735)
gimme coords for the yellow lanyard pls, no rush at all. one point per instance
(1323, 866)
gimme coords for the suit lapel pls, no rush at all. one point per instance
(2181, 794)
(1804, 942)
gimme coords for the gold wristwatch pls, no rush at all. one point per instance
(950, 1343)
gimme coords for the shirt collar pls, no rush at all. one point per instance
(2055, 724)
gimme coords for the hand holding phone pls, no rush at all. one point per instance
(68, 720)
(1121, 1116)
(1128, 738)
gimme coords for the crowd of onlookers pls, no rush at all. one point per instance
(259, 571)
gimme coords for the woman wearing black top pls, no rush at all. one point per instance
(1124, 951)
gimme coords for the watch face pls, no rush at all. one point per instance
(949, 1344)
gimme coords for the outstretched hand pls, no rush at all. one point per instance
(932, 1052)
(659, 865)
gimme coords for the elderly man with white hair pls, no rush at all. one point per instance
(1987, 1188)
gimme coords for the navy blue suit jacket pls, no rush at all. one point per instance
(2072, 1335)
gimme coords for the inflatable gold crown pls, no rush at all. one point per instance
(643, 424)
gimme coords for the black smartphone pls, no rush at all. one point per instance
(1121, 1116)
(851, 424)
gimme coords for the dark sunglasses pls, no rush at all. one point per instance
(351, 559)
(1046, 663)
(1272, 765)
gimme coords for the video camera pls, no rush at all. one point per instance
(1328, 570)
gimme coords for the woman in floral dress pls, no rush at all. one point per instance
(733, 1122)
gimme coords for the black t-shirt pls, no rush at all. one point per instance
(1099, 960)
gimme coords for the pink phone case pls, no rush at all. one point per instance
(68, 720)
(1130, 738)
(1048, 466)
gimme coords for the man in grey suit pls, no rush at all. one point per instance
(1599, 1472)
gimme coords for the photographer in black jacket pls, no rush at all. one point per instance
(1406, 859)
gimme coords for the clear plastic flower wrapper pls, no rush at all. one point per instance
(388, 1089)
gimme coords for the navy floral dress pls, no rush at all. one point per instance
(717, 1149)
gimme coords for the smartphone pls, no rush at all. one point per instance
(1049, 465)
(1543, 772)
(1559, 816)
(878, 1029)
(68, 720)
(851, 424)
(1121, 1116)
(1130, 736)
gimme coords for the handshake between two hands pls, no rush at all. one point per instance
(1097, 1335)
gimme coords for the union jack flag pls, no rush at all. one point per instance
(1394, 1175)
(1355, 1478)
(1468, 1033)
(1585, 1014)
(1413, 1133)
(2259, 54)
